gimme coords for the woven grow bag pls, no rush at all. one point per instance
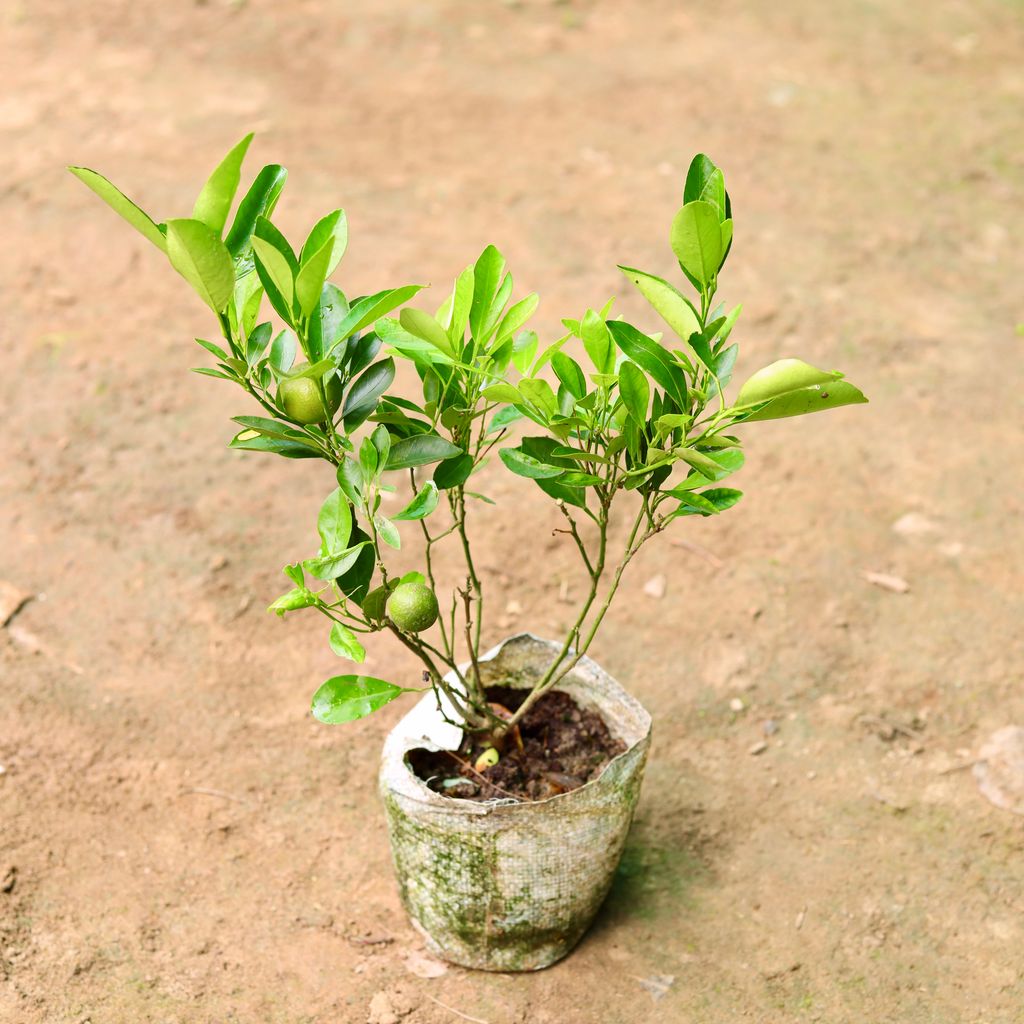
(505, 886)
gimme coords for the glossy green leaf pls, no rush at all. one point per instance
(526, 465)
(538, 393)
(214, 201)
(598, 342)
(121, 205)
(635, 392)
(423, 325)
(334, 229)
(199, 255)
(502, 392)
(420, 450)
(453, 472)
(569, 373)
(673, 307)
(371, 308)
(697, 240)
(462, 302)
(808, 400)
(282, 352)
(368, 459)
(345, 644)
(295, 599)
(334, 521)
(276, 274)
(705, 183)
(214, 350)
(523, 350)
(423, 503)
(704, 464)
(252, 441)
(355, 581)
(335, 563)
(650, 357)
(516, 317)
(364, 394)
(487, 274)
(780, 377)
(346, 698)
(312, 275)
(258, 202)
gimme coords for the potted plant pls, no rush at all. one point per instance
(511, 784)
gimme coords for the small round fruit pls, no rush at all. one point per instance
(412, 607)
(300, 398)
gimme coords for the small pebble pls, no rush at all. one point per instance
(656, 586)
(757, 748)
(769, 727)
(812, 775)
(736, 704)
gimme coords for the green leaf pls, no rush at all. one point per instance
(454, 471)
(387, 531)
(808, 400)
(275, 274)
(345, 644)
(705, 183)
(346, 698)
(368, 459)
(282, 352)
(704, 464)
(780, 377)
(251, 441)
(121, 205)
(526, 465)
(295, 599)
(199, 255)
(364, 394)
(523, 350)
(420, 450)
(372, 308)
(516, 317)
(462, 302)
(336, 563)
(697, 240)
(422, 504)
(597, 342)
(569, 373)
(258, 202)
(214, 350)
(673, 307)
(381, 440)
(310, 280)
(635, 392)
(652, 358)
(423, 325)
(722, 497)
(272, 428)
(215, 199)
(502, 392)
(725, 462)
(538, 393)
(334, 229)
(354, 582)
(487, 274)
(334, 522)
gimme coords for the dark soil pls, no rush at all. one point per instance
(562, 747)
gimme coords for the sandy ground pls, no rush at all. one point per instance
(180, 842)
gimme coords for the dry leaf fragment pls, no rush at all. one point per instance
(897, 584)
(12, 600)
(656, 586)
(999, 770)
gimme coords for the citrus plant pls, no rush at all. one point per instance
(615, 416)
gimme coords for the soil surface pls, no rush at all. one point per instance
(556, 748)
(180, 841)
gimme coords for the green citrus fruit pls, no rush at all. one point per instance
(300, 398)
(412, 607)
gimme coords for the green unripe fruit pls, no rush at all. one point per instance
(300, 398)
(412, 607)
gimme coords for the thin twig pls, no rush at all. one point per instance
(204, 791)
(458, 1013)
(483, 778)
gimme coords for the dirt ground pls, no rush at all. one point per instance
(180, 842)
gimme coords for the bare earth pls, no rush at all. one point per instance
(180, 842)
